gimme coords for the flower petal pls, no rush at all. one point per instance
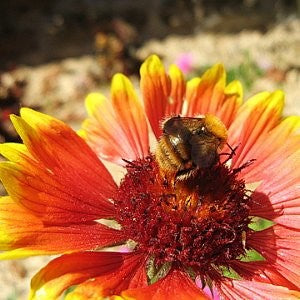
(242, 289)
(232, 102)
(175, 285)
(262, 271)
(14, 152)
(273, 149)
(155, 88)
(178, 87)
(282, 251)
(58, 172)
(130, 114)
(39, 191)
(24, 234)
(277, 197)
(58, 188)
(104, 133)
(97, 273)
(62, 141)
(206, 95)
(255, 119)
(130, 274)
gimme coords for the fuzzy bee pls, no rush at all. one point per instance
(189, 144)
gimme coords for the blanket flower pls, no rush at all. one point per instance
(230, 231)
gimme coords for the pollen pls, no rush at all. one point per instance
(199, 224)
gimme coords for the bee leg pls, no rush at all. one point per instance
(230, 155)
(245, 165)
(232, 149)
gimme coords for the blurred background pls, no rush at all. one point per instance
(52, 53)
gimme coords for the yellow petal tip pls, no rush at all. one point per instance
(215, 74)
(93, 101)
(175, 72)
(151, 66)
(120, 83)
(194, 82)
(235, 88)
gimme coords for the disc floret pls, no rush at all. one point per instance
(199, 224)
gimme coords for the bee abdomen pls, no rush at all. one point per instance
(170, 157)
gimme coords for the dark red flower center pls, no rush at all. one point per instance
(199, 224)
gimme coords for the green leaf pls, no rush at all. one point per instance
(162, 272)
(251, 255)
(229, 272)
(259, 224)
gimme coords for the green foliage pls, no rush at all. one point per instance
(12, 296)
(229, 272)
(259, 224)
(247, 72)
(252, 255)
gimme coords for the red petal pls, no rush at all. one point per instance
(23, 234)
(97, 273)
(58, 147)
(58, 187)
(176, 286)
(262, 271)
(280, 246)
(277, 197)
(130, 274)
(242, 290)
(59, 178)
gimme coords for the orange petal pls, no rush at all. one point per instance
(255, 119)
(176, 285)
(130, 114)
(23, 234)
(191, 96)
(49, 198)
(280, 246)
(242, 289)
(178, 87)
(155, 88)
(57, 183)
(97, 274)
(206, 95)
(58, 173)
(232, 102)
(56, 145)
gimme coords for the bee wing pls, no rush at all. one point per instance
(182, 127)
(203, 151)
(175, 127)
(193, 124)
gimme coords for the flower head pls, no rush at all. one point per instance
(211, 212)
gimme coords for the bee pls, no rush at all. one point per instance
(189, 144)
